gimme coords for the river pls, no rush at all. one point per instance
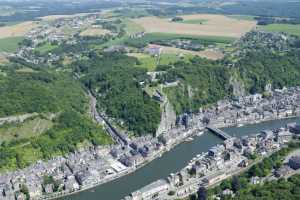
(170, 162)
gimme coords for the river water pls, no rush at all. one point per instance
(170, 162)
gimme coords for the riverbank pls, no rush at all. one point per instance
(162, 152)
(171, 162)
(90, 167)
(221, 162)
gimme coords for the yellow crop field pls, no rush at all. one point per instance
(215, 25)
(17, 30)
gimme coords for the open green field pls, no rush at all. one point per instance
(194, 21)
(242, 17)
(10, 44)
(286, 28)
(153, 37)
(161, 36)
(27, 129)
(150, 62)
(131, 27)
(45, 48)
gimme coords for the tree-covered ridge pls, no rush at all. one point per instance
(116, 82)
(202, 82)
(37, 91)
(259, 68)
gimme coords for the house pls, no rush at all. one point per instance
(71, 183)
(48, 188)
(255, 180)
(294, 128)
(282, 171)
(151, 191)
(154, 50)
(267, 134)
(228, 192)
(283, 136)
(294, 162)
(216, 151)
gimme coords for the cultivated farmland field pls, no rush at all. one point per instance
(286, 28)
(209, 54)
(215, 25)
(94, 32)
(17, 30)
(10, 44)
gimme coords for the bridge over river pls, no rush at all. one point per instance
(219, 132)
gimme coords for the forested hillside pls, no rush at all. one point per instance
(259, 68)
(115, 80)
(26, 90)
(202, 82)
(39, 91)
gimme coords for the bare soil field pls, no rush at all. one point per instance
(209, 54)
(215, 25)
(17, 30)
(94, 32)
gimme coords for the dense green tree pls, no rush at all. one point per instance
(115, 81)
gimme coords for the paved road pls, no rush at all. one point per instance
(117, 137)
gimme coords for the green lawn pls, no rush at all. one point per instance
(10, 44)
(242, 17)
(216, 39)
(167, 58)
(150, 62)
(286, 28)
(152, 37)
(45, 48)
(131, 27)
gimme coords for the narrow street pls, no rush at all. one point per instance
(100, 119)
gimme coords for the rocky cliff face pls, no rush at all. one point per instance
(168, 117)
(238, 87)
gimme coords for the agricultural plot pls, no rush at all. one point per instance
(215, 25)
(10, 44)
(131, 27)
(17, 30)
(29, 128)
(286, 28)
(151, 62)
(156, 37)
(242, 17)
(194, 21)
(94, 32)
(209, 54)
(55, 17)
